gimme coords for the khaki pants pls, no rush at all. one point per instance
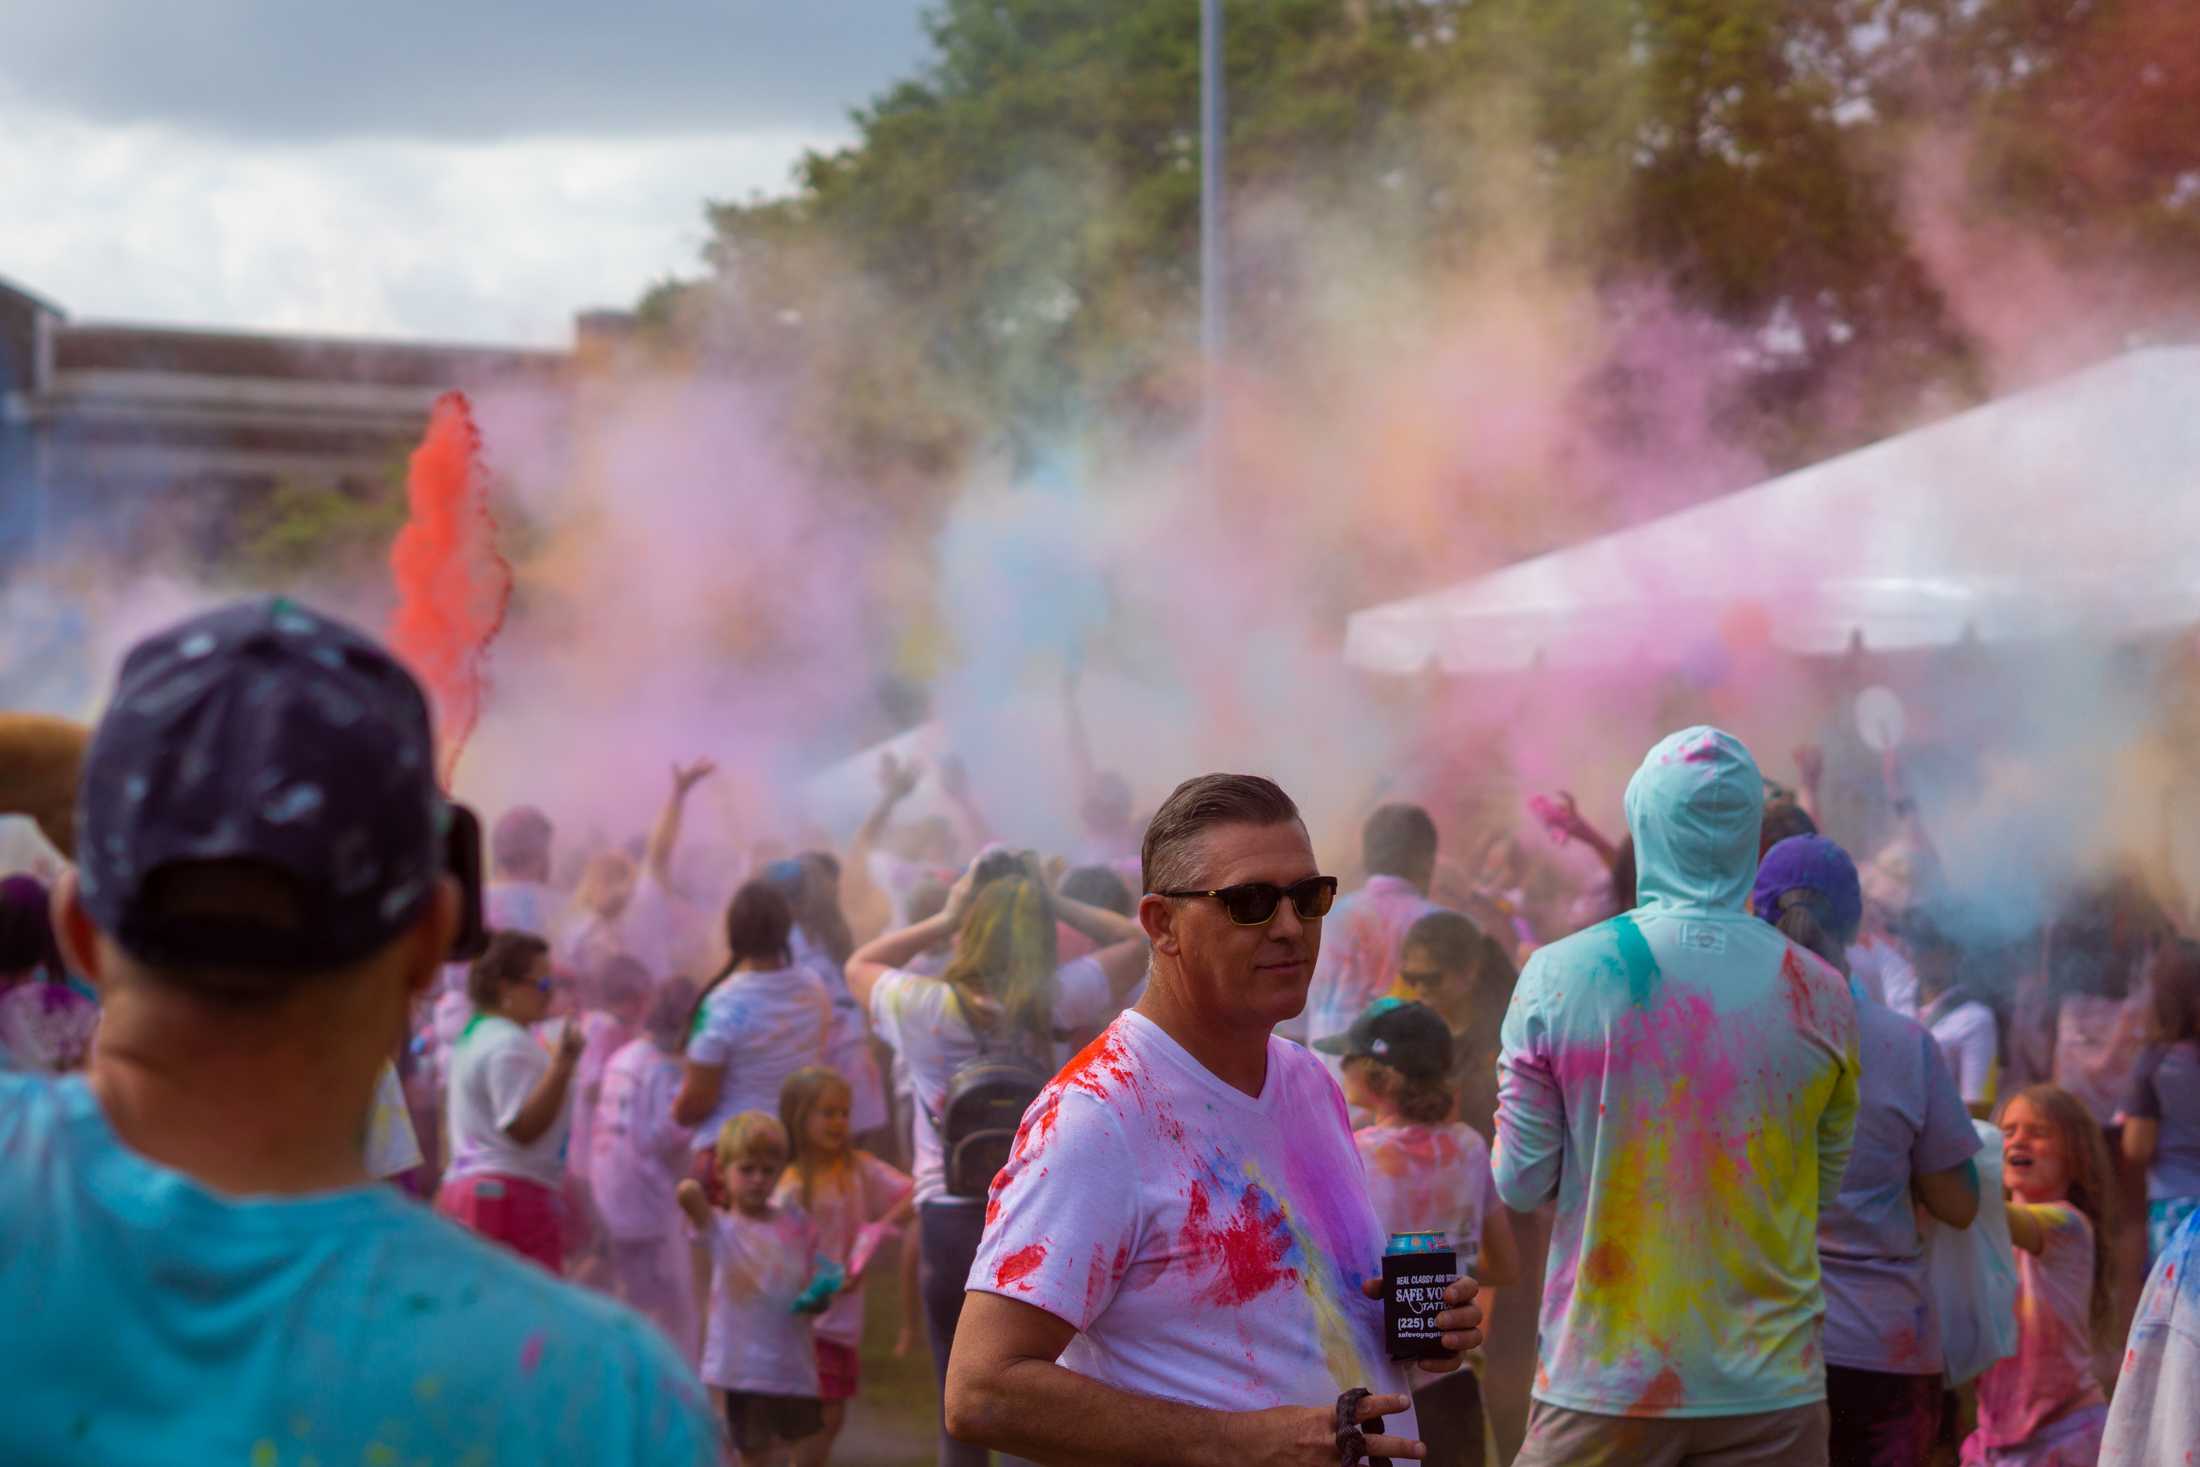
(1558, 1437)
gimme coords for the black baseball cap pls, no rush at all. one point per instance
(270, 734)
(1409, 1037)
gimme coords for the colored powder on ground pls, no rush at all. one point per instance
(453, 586)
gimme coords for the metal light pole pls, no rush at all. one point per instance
(1213, 323)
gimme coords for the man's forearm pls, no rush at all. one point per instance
(1049, 1414)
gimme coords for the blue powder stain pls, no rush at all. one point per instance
(1637, 962)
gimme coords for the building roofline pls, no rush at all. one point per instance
(9, 287)
(307, 341)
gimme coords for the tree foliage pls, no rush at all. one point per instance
(1010, 243)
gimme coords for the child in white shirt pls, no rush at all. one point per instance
(756, 1347)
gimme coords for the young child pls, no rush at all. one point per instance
(852, 1198)
(1427, 1172)
(635, 1162)
(2043, 1407)
(756, 1347)
(2161, 1116)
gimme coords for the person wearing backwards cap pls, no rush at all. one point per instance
(198, 1267)
(1427, 1172)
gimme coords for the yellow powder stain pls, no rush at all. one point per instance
(428, 1387)
(1340, 1350)
(381, 1454)
(263, 1453)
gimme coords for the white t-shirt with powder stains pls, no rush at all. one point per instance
(1430, 1179)
(753, 1340)
(1207, 1245)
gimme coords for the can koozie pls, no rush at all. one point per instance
(1413, 1295)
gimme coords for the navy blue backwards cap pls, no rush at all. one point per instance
(268, 734)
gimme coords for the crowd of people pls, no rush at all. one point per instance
(312, 1150)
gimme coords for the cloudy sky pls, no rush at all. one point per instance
(463, 171)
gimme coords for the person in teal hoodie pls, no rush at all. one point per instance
(1683, 1081)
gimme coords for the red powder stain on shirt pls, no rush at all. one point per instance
(1020, 1265)
(1248, 1247)
(1104, 1276)
(993, 1203)
(1097, 1064)
(1802, 998)
(530, 1353)
(1662, 1394)
(1035, 1133)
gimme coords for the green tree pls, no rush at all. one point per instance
(1011, 239)
(303, 529)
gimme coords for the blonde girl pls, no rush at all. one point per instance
(853, 1199)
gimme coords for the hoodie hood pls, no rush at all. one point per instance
(1695, 808)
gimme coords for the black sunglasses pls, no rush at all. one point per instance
(1254, 903)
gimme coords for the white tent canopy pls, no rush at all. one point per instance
(2072, 508)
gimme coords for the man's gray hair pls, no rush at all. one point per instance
(1169, 860)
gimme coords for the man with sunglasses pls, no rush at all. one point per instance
(199, 1266)
(1177, 1256)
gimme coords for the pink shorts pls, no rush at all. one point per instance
(837, 1367)
(524, 1216)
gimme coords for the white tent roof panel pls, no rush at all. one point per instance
(2071, 507)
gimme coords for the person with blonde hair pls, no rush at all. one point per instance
(996, 1013)
(855, 1200)
(756, 1342)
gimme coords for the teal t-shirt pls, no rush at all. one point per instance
(150, 1320)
